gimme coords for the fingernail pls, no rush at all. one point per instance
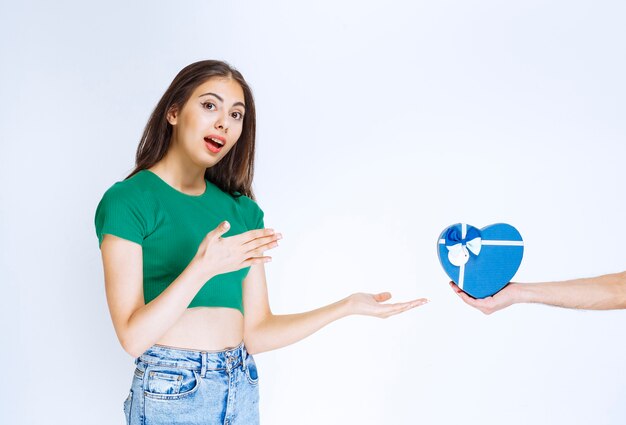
(280, 236)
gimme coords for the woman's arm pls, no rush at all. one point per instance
(138, 325)
(264, 331)
(597, 293)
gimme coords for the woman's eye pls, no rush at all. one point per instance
(237, 115)
(209, 105)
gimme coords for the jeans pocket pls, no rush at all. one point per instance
(170, 383)
(251, 370)
(127, 405)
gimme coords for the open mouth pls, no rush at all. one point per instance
(213, 144)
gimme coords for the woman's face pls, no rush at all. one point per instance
(210, 122)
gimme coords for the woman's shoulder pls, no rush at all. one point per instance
(245, 201)
(237, 197)
(126, 210)
(251, 210)
(132, 190)
(137, 183)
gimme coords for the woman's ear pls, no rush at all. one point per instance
(172, 115)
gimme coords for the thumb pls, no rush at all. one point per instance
(383, 296)
(217, 232)
(221, 229)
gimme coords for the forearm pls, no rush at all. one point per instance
(277, 331)
(150, 322)
(597, 293)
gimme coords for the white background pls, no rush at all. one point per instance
(379, 124)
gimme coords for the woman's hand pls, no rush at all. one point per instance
(217, 255)
(506, 297)
(372, 305)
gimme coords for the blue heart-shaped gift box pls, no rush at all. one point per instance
(481, 262)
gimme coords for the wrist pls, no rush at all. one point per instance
(197, 272)
(522, 293)
(345, 307)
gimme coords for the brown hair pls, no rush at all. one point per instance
(233, 173)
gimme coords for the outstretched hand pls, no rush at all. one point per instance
(372, 304)
(489, 305)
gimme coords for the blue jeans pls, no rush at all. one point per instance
(180, 386)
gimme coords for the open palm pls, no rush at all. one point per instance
(373, 304)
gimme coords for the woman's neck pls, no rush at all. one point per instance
(185, 178)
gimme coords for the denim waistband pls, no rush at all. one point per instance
(197, 360)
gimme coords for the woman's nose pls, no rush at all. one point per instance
(220, 124)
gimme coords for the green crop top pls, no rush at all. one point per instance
(170, 225)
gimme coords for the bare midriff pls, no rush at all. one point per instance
(205, 329)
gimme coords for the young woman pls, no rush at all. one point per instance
(183, 242)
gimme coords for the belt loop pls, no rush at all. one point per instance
(243, 356)
(204, 361)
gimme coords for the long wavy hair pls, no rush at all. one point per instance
(235, 171)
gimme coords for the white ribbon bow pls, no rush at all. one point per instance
(458, 254)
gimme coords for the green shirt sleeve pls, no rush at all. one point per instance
(258, 216)
(120, 213)
(254, 215)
